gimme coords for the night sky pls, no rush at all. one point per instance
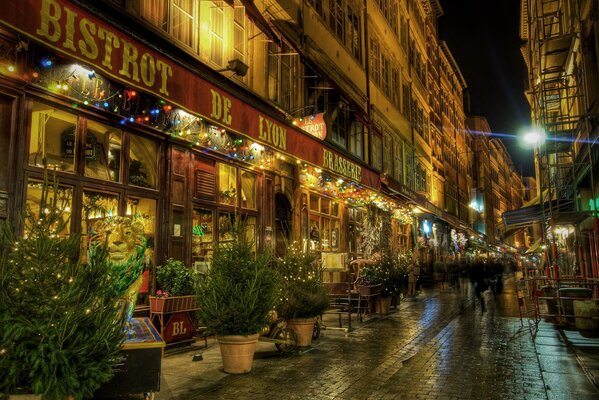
(484, 39)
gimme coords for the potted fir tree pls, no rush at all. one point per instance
(303, 295)
(60, 323)
(235, 298)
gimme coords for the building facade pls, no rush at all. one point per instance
(338, 124)
(561, 56)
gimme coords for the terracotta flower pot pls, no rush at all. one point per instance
(303, 328)
(237, 352)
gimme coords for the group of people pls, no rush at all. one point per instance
(485, 275)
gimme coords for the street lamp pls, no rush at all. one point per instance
(535, 137)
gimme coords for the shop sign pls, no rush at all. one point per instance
(272, 133)
(342, 166)
(313, 124)
(73, 32)
(178, 327)
(79, 35)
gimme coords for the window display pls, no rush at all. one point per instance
(227, 184)
(324, 223)
(63, 202)
(248, 190)
(53, 138)
(103, 152)
(202, 238)
(143, 162)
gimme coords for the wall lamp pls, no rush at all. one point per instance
(237, 66)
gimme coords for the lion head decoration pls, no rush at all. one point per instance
(126, 242)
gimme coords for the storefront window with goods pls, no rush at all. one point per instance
(212, 226)
(89, 155)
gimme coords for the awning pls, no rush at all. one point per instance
(526, 216)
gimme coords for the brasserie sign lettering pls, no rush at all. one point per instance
(342, 166)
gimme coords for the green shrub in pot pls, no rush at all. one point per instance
(173, 278)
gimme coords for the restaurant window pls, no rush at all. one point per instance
(144, 209)
(143, 162)
(202, 239)
(228, 221)
(324, 224)
(64, 198)
(103, 152)
(227, 178)
(53, 138)
(248, 190)
(96, 207)
(355, 236)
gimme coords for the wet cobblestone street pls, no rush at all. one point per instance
(440, 346)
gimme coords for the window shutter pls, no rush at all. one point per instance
(205, 180)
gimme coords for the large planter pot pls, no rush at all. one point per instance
(369, 290)
(172, 304)
(382, 305)
(303, 328)
(237, 352)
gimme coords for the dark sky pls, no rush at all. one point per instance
(484, 40)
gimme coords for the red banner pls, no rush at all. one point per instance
(79, 35)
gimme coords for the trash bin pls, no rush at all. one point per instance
(586, 313)
(568, 295)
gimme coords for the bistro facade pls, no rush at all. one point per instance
(128, 131)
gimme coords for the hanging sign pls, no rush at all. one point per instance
(313, 124)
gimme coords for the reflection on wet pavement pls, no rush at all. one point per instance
(441, 346)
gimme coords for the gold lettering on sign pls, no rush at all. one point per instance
(272, 133)
(179, 328)
(221, 108)
(340, 165)
(60, 26)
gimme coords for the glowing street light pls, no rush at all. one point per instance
(534, 137)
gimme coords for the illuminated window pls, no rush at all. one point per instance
(227, 178)
(182, 18)
(248, 190)
(324, 224)
(143, 162)
(96, 206)
(103, 152)
(63, 203)
(217, 33)
(53, 138)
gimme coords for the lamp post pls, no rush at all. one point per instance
(536, 138)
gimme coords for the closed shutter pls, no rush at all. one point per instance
(205, 179)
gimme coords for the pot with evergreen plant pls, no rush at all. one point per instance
(235, 298)
(175, 301)
(61, 325)
(303, 296)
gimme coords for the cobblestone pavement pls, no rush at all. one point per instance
(440, 346)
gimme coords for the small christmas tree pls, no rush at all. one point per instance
(60, 324)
